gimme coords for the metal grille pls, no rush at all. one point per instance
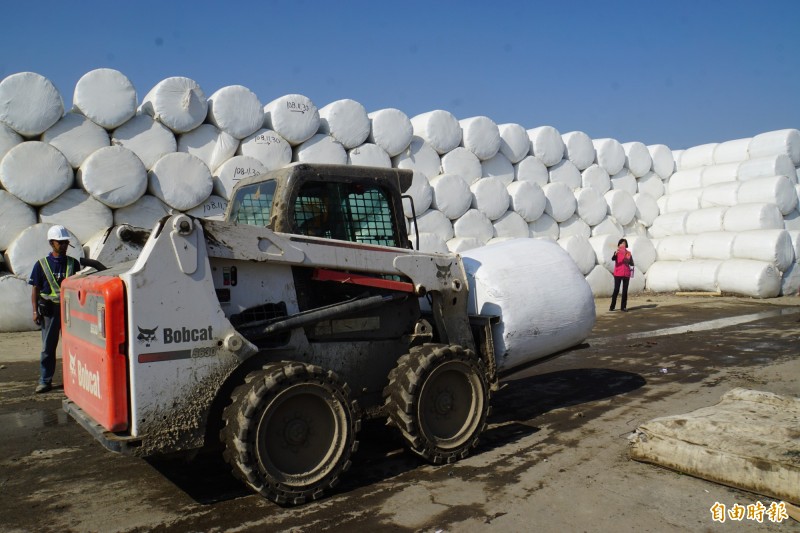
(372, 217)
(259, 314)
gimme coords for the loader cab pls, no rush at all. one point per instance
(342, 202)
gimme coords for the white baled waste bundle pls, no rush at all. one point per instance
(76, 137)
(429, 243)
(179, 103)
(544, 227)
(273, 151)
(732, 151)
(663, 163)
(561, 203)
(369, 155)
(421, 194)
(591, 206)
(527, 199)
(532, 169)
(458, 245)
(16, 298)
(643, 250)
(481, 136)
(207, 142)
(498, 167)
(180, 180)
(698, 156)
(292, 116)
(769, 245)
(419, 156)
(390, 129)
(320, 148)
(601, 282)
(15, 216)
(710, 219)
(637, 158)
(346, 121)
(510, 226)
(747, 217)
(609, 226)
(29, 103)
(490, 197)
(546, 144)
(724, 173)
(474, 225)
(663, 276)
(764, 167)
(790, 281)
(581, 252)
(558, 315)
(720, 195)
(684, 200)
(565, 172)
(757, 279)
(8, 139)
(776, 142)
(235, 110)
(114, 175)
(578, 149)
(213, 208)
(624, 181)
(106, 97)
(574, 226)
(439, 128)
(646, 208)
(776, 190)
(31, 245)
(228, 174)
(604, 247)
(609, 154)
(433, 221)
(451, 196)
(714, 245)
(596, 177)
(675, 248)
(514, 142)
(78, 211)
(699, 275)
(143, 213)
(148, 139)
(685, 179)
(35, 172)
(464, 163)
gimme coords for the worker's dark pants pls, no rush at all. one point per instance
(51, 328)
(617, 280)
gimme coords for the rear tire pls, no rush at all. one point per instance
(290, 431)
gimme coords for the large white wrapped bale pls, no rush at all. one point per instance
(720, 195)
(776, 190)
(9, 139)
(621, 205)
(609, 154)
(429, 243)
(624, 181)
(481, 136)
(420, 156)
(634, 227)
(420, 192)
(35, 172)
(112, 246)
(15, 313)
(636, 284)
(273, 151)
(561, 203)
(514, 142)
(114, 175)
(685, 179)
(293, 116)
(106, 97)
(527, 199)
(604, 247)
(451, 196)
(591, 206)
(143, 213)
(474, 225)
(531, 169)
(76, 137)
(646, 208)
(683, 200)
(433, 221)
(721, 173)
(546, 144)
(764, 167)
(78, 211)
(439, 128)
(238, 167)
(498, 167)
(213, 208)
(490, 197)
(369, 155)
(567, 173)
(511, 226)
(578, 149)
(699, 275)
(733, 151)
(643, 251)
(320, 148)
(29, 103)
(31, 245)
(790, 281)
(675, 248)
(757, 279)
(706, 220)
(663, 163)
(698, 156)
(669, 224)
(178, 103)
(637, 158)
(597, 178)
(601, 281)
(580, 251)
(346, 121)
(714, 245)
(148, 139)
(209, 143)
(662, 276)
(180, 180)
(651, 185)
(747, 217)
(792, 220)
(776, 142)
(464, 163)
(390, 129)
(544, 227)
(608, 226)
(772, 246)
(458, 245)
(15, 216)
(574, 226)
(540, 314)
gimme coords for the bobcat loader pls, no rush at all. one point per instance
(277, 331)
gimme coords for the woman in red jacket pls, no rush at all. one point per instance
(623, 269)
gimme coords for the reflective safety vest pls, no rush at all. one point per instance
(55, 289)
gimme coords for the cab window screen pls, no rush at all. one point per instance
(252, 204)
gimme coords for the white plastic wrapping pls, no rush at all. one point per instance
(429, 243)
(720, 195)
(9, 139)
(531, 169)
(792, 220)
(790, 281)
(29, 103)
(527, 199)
(292, 116)
(420, 192)
(604, 247)
(683, 200)
(76, 137)
(757, 279)
(609, 154)
(346, 121)
(565, 172)
(320, 148)
(663, 162)
(15, 313)
(433, 221)
(212, 208)
(558, 312)
(514, 142)
(148, 139)
(114, 175)
(733, 151)
(747, 217)
(699, 275)
(35, 172)
(578, 149)
(419, 156)
(180, 180)
(764, 167)
(546, 144)
(490, 197)
(669, 224)
(634, 227)
(675, 248)
(596, 177)
(620, 205)
(771, 246)
(601, 282)
(15, 216)
(458, 245)
(776, 142)
(646, 208)
(719, 173)
(238, 167)
(776, 190)
(78, 211)
(451, 195)
(474, 225)
(591, 206)
(439, 128)
(643, 251)
(608, 226)
(390, 129)
(177, 102)
(369, 155)
(481, 136)
(561, 203)
(662, 276)
(498, 167)
(637, 158)
(651, 185)
(143, 213)
(706, 220)
(106, 97)
(273, 151)
(464, 163)
(236, 111)
(30, 246)
(580, 251)
(676, 157)
(544, 227)
(685, 179)
(624, 181)
(510, 225)
(574, 226)
(209, 143)
(698, 156)
(714, 245)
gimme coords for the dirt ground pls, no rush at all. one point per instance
(554, 457)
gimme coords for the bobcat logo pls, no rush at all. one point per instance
(73, 372)
(146, 335)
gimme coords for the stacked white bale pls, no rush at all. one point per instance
(544, 227)
(213, 208)
(609, 154)
(669, 224)
(110, 248)
(683, 200)
(474, 225)
(763, 167)
(293, 116)
(698, 156)
(559, 314)
(532, 169)
(429, 243)
(439, 128)
(601, 282)
(76, 137)
(510, 226)
(464, 163)
(790, 281)
(574, 226)
(699, 275)
(209, 143)
(775, 142)
(481, 136)
(228, 174)
(514, 142)
(369, 155)
(15, 216)
(320, 148)
(458, 245)
(581, 252)
(561, 203)
(714, 245)
(624, 181)
(663, 276)
(148, 139)
(421, 194)
(776, 190)
(419, 156)
(608, 226)
(182, 181)
(177, 102)
(637, 158)
(9, 139)
(546, 144)
(433, 221)
(636, 283)
(31, 245)
(143, 213)
(78, 211)
(706, 220)
(235, 110)
(771, 246)
(29, 103)
(604, 247)
(273, 151)
(720, 195)
(590, 204)
(567, 173)
(792, 220)
(15, 314)
(527, 199)
(35, 172)
(498, 167)
(651, 185)
(451, 196)
(643, 251)
(578, 149)
(719, 173)
(634, 227)
(794, 237)
(114, 175)
(106, 97)
(490, 197)
(747, 217)
(732, 151)
(675, 248)
(685, 179)
(597, 178)
(621, 205)
(646, 208)
(390, 129)
(757, 279)
(346, 121)
(663, 162)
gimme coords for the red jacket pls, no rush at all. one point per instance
(622, 264)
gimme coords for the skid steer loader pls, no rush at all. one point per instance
(277, 331)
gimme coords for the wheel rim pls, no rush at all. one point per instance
(451, 404)
(301, 434)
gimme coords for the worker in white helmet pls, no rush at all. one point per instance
(46, 278)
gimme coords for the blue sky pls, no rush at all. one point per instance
(681, 73)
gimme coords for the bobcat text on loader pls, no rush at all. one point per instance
(277, 331)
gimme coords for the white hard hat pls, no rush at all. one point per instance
(57, 233)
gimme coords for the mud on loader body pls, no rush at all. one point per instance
(277, 331)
